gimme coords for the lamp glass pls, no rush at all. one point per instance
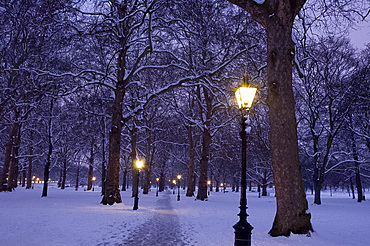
(139, 164)
(244, 96)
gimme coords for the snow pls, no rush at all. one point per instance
(69, 217)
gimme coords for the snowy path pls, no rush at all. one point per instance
(162, 229)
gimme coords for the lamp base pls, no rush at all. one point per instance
(243, 233)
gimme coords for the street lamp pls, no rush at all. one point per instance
(178, 187)
(209, 186)
(244, 96)
(139, 165)
(157, 179)
(93, 179)
(174, 183)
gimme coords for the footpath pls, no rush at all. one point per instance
(162, 229)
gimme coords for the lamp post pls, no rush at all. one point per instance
(93, 179)
(139, 165)
(178, 187)
(209, 186)
(157, 179)
(174, 187)
(244, 96)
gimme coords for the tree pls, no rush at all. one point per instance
(277, 17)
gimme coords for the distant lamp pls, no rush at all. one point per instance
(178, 187)
(157, 179)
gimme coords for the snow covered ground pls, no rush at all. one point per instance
(67, 217)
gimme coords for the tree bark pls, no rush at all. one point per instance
(103, 164)
(277, 17)
(161, 182)
(360, 197)
(190, 180)
(30, 160)
(91, 167)
(124, 180)
(112, 193)
(64, 174)
(133, 158)
(50, 151)
(8, 156)
(14, 167)
(203, 165)
(77, 177)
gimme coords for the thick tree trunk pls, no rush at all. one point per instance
(291, 214)
(14, 167)
(112, 193)
(203, 165)
(8, 157)
(190, 181)
(317, 186)
(161, 182)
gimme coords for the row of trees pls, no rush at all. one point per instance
(88, 87)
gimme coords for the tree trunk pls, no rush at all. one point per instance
(63, 185)
(161, 182)
(103, 164)
(24, 174)
(14, 167)
(264, 184)
(77, 177)
(148, 167)
(360, 197)
(112, 193)
(291, 214)
(60, 177)
(91, 168)
(352, 187)
(48, 158)
(190, 181)
(8, 155)
(203, 165)
(317, 199)
(30, 160)
(124, 180)
(133, 158)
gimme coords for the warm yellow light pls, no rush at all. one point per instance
(93, 178)
(139, 164)
(33, 177)
(244, 96)
(208, 182)
(222, 184)
(179, 177)
(174, 181)
(38, 179)
(157, 179)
